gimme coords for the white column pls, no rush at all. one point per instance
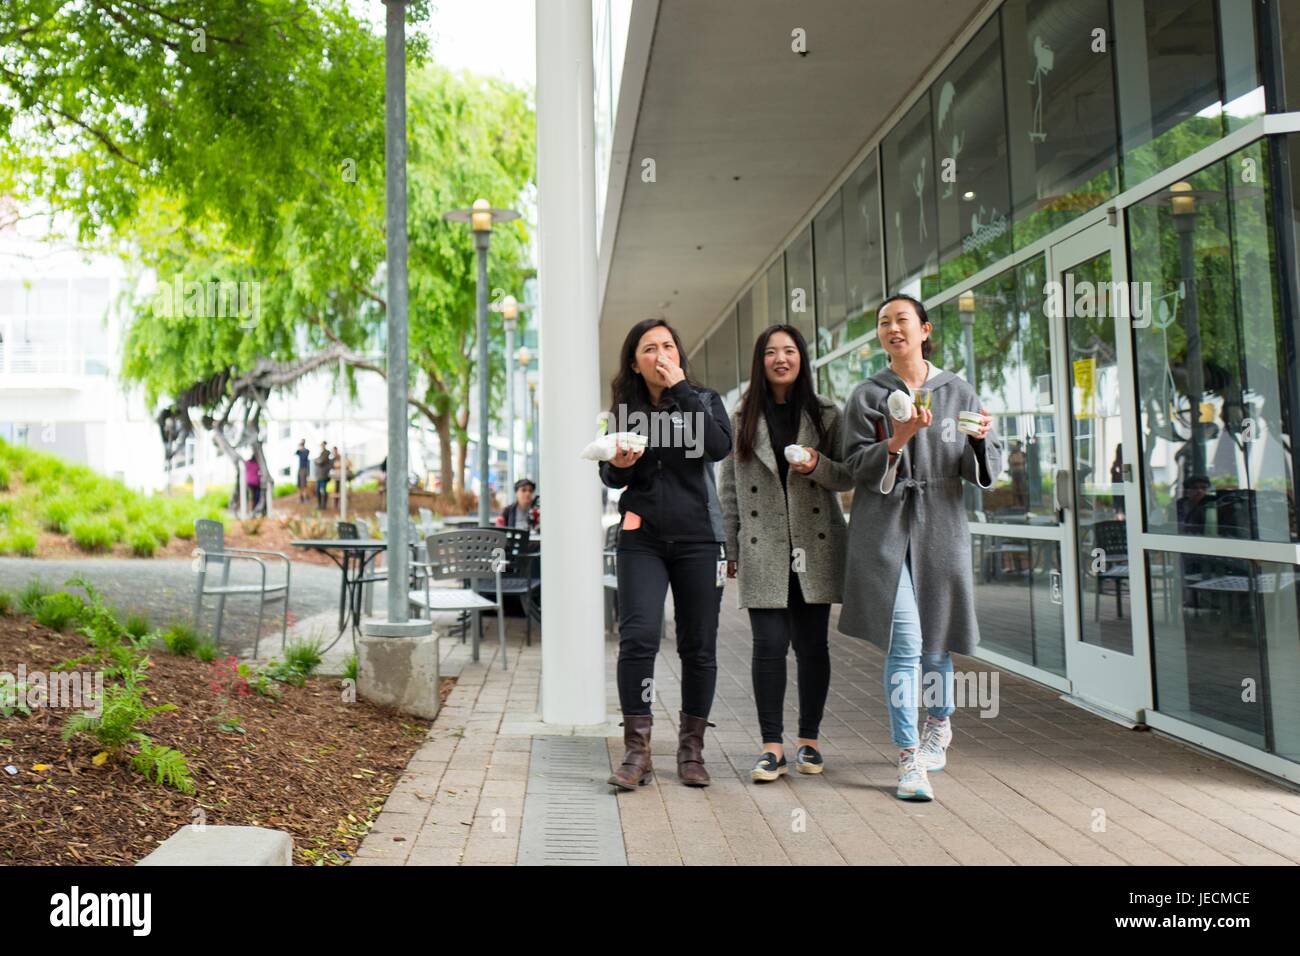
(573, 642)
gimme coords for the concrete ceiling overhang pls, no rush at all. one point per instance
(746, 135)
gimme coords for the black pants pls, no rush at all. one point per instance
(775, 629)
(647, 567)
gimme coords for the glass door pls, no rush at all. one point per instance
(1106, 659)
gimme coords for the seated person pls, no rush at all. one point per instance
(520, 513)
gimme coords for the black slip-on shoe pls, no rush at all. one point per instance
(808, 760)
(768, 767)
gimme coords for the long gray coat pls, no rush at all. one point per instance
(924, 508)
(769, 529)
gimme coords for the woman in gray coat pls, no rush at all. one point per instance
(908, 586)
(785, 536)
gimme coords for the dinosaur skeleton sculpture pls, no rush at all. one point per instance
(231, 404)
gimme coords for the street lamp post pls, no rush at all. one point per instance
(1182, 201)
(510, 319)
(523, 357)
(480, 217)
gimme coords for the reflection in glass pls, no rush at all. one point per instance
(838, 377)
(800, 292)
(1019, 600)
(996, 336)
(1212, 377)
(1097, 443)
(746, 331)
(911, 230)
(1170, 94)
(863, 280)
(973, 202)
(723, 366)
(1060, 112)
(1226, 644)
(828, 241)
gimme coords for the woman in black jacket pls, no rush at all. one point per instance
(671, 536)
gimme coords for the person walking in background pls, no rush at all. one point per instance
(304, 466)
(786, 537)
(339, 470)
(912, 433)
(671, 536)
(253, 479)
(323, 462)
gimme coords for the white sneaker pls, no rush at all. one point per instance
(913, 783)
(935, 738)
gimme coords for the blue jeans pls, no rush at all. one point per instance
(905, 687)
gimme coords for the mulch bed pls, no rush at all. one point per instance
(309, 764)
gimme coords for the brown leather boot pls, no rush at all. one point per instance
(635, 770)
(690, 750)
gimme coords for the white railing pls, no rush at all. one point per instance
(26, 359)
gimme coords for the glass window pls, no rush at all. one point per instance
(911, 233)
(699, 366)
(1060, 112)
(1001, 331)
(776, 304)
(1243, 89)
(837, 378)
(1213, 378)
(1288, 25)
(1168, 81)
(800, 294)
(1226, 652)
(828, 242)
(721, 349)
(747, 331)
(863, 279)
(1018, 599)
(971, 152)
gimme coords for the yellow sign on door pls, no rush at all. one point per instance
(1085, 380)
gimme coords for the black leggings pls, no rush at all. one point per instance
(647, 567)
(775, 629)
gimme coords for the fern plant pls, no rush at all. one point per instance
(163, 765)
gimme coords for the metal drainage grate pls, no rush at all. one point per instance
(570, 812)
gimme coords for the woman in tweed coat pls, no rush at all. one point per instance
(785, 537)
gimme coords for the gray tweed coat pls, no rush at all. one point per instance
(923, 509)
(770, 530)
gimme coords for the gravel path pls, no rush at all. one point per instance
(163, 590)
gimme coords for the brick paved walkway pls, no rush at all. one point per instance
(1041, 782)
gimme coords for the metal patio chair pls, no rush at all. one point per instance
(470, 555)
(210, 537)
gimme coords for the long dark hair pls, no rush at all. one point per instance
(758, 395)
(629, 389)
(927, 347)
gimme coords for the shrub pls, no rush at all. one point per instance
(183, 528)
(56, 611)
(5, 478)
(350, 667)
(305, 656)
(92, 533)
(143, 543)
(137, 625)
(59, 512)
(285, 490)
(181, 639)
(29, 598)
(206, 651)
(6, 603)
(20, 541)
(163, 765)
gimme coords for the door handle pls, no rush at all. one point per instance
(1063, 490)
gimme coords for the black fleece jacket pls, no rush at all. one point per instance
(672, 486)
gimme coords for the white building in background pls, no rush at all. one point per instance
(62, 326)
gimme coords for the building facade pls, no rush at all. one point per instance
(1096, 201)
